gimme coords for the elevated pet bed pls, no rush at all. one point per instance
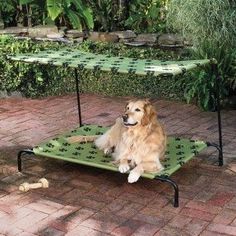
(179, 150)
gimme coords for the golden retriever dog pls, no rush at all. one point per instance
(136, 141)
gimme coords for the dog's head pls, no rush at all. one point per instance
(139, 113)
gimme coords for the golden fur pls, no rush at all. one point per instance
(136, 141)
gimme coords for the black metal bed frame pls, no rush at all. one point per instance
(165, 179)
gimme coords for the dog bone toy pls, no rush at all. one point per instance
(42, 183)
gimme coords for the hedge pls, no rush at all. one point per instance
(39, 81)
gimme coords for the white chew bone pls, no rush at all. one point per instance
(42, 183)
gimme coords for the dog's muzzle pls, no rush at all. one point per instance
(125, 121)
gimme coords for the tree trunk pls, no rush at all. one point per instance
(29, 15)
(123, 9)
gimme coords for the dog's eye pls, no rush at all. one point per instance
(127, 108)
(137, 109)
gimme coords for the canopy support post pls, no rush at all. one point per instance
(78, 96)
(215, 72)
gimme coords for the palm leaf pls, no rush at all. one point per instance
(54, 8)
(84, 12)
(88, 18)
(78, 4)
(74, 19)
(23, 2)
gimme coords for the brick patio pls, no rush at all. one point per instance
(88, 201)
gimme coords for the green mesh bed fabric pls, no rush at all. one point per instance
(78, 59)
(179, 151)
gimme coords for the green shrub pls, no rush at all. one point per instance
(210, 25)
(106, 15)
(200, 20)
(202, 87)
(71, 13)
(36, 80)
(31, 80)
(146, 16)
(8, 11)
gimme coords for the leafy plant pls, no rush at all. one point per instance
(9, 11)
(201, 20)
(35, 11)
(31, 80)
(106, 14)
(210, 26)
(23, 12)
(75, 11)
(146, 15)
(202, 86)
(138, 15)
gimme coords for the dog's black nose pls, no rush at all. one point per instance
(125, 117)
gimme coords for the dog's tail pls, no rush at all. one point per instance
(82, 138)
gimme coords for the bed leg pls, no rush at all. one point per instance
(215, 72)
(220, 156)
(19, 160)
(174, 185)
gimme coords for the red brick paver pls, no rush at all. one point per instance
(88, 201)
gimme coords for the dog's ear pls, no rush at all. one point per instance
(150, 114)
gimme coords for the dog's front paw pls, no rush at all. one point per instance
(123, 168)
(107, 151)
(133, 177)
(160, 168)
